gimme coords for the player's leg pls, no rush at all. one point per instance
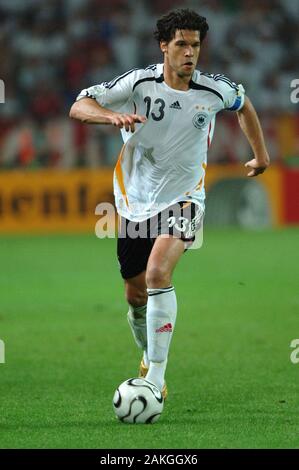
(132, 255)
(136, 296)
(182, 220)
(161, 304)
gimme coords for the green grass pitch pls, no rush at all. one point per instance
(230, 378)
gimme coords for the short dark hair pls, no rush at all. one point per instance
(180, 19)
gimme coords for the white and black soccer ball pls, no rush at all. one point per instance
(138, 401)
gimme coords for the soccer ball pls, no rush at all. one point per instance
(138, 401)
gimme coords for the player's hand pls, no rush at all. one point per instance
(257, 166)
(126, 120)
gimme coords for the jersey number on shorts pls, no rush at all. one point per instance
(148, 102)
(182, 220)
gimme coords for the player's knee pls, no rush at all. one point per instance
(136, 297)
(157, 276)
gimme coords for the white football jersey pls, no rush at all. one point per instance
(164, 160)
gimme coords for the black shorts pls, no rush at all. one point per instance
(136, 239)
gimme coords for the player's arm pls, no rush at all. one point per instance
(89, 111)
(250, 125)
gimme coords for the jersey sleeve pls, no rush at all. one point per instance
(233, 95)
(113, 95)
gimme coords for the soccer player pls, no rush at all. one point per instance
(166, 113)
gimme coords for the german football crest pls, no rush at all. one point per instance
(200, 120)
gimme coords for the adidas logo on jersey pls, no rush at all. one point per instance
(175, 105)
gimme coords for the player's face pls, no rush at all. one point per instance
(182, 52)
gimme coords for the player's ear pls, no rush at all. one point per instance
(163, 46)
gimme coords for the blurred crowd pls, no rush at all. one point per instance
(51, 49)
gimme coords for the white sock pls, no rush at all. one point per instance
(161, 316)
(145, 359)
(156, 373)
(137, 321)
